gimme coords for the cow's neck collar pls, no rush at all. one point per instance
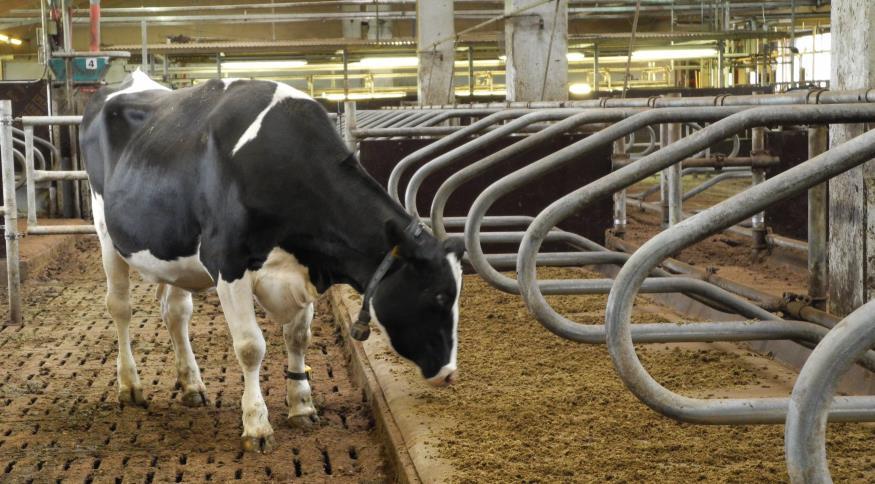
(360, 330)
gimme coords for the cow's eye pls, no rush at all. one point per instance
(442, 299)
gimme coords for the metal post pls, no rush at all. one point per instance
(818, 224)
(349, 125)
(757, 148)
(144, 39)
(619, 159)
(721, 64)
(345, 54)
(663, 177)
(471, 72)
(672, 192)
(792, 43)
(673, 178)
(595, 68)
(218, 65)
(29, 176)
(10, 213)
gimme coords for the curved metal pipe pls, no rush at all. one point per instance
(805, 433)
(575, 151)
(443, 143)
(452, 156)
(449, 186)
(696, 228)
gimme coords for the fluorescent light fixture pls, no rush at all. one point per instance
(356, 96)
(10, 40)
(571, 56)
(262, 65)
(580, 88)
(481, 92)
(672, 54)
(387, 62)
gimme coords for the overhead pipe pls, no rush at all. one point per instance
(94, 9)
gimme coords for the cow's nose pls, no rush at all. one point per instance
(445, 377)
(451, 378)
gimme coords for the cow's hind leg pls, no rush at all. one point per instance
(130, 390)
(176, 309)
(238, 305)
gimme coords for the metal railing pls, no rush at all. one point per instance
(851, 340)
(31, 177)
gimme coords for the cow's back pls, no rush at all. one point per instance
(198, 170)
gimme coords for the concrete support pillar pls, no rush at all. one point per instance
(434, 23)
(852, 195)
(536, 44)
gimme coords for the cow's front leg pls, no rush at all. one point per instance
(296, 334)
(238, 306)
(283, 291)
(176, 309)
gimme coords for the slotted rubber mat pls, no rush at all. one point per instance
(60, 420)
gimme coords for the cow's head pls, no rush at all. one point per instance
(417, 301)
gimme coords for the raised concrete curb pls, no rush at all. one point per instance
(407, 433)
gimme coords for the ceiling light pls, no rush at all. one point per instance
(262, 65)
(356, 96)
(672, 54)
(387, 62)
(571, 56)
(580, 88)
(463, 92)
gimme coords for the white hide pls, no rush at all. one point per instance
(282, 92)
(237, 304)
(184, 272)
(142, 82)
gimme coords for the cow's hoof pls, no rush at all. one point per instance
(132, 396)
(304, 421)
(194, 398)
(263, 445)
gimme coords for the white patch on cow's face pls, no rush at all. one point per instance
(447, 373)
(186, 272)
(142, 82)
(282, 92)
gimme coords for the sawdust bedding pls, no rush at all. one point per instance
(532, 407)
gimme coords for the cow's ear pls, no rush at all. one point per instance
(455, 245)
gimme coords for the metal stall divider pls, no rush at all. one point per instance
(32, 176)
(10, 214)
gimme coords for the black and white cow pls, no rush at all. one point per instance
(246, 187)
